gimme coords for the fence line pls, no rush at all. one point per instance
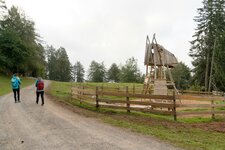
(134, 100)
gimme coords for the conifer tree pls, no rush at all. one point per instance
(210, 28)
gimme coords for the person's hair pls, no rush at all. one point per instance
(39, 78)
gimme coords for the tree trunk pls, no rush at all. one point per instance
(207, 72)
(211, 68)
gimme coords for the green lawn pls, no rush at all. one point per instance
(182, 133)
(5, 84)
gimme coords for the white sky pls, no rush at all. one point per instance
(111, 31)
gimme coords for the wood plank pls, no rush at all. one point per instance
(166, 97)
(139, 109)
(201, 105)
(195, 92)
(199, 97)
(159, 105)
(194, 97)
(112, 94)
(87, 97)
(112, 101)
(152, 111)
(201, 112)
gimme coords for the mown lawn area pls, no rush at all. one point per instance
(189, 133)
(5, 84)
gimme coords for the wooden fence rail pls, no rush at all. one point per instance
(134, 100)
(126, 100)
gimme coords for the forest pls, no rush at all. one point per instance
(23, 51)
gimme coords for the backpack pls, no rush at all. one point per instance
(15, 83)
(40, 85)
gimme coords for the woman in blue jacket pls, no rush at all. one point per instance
(15, 82)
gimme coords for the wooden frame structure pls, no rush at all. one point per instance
(157, 61)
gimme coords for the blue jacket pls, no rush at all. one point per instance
(15, 82)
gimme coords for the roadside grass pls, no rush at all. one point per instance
(5, 84)
(182, 137)
(179, 133)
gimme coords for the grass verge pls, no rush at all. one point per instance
(187, 133)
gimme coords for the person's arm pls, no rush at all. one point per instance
(19, 81)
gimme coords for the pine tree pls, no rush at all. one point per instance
(96, 72)
(113, 73)
(210, 27)
(130, 72)
(59, 67)
(78, 72)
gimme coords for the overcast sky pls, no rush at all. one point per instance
(111, 31)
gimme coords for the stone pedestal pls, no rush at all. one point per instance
(160, 87)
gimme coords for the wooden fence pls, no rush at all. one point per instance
(132, 99)
(125, 99)
(199, 103)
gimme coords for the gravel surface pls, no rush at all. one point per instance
(30, 126)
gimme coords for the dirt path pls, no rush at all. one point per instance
(26, 126)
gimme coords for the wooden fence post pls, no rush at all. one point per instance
(96, 97)
(174, 107)
(212, 103)
(79, 94)
(127, 99)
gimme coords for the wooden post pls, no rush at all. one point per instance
(127, 99)
(213, 114)
(174, 107)
(82, 93)
(96, 97)
(79, 94)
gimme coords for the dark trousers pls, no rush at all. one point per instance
(16, 93)
(42, 96)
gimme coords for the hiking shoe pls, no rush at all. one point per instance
(36, 102)
(18, 101)
(42, 104)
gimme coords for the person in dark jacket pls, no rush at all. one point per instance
(15, 82)
(40, 90)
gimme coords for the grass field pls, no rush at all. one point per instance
(5, 84)
(189, 133)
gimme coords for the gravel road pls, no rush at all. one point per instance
(30, 126)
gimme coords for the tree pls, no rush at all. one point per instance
(181, 75)
(97, 72)
(63, 68)
(59, 67)
(113, 73)
(18, 43)
(218, 79)
(130, 72)
(51, 62)
(78, 72)
(210, 27)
